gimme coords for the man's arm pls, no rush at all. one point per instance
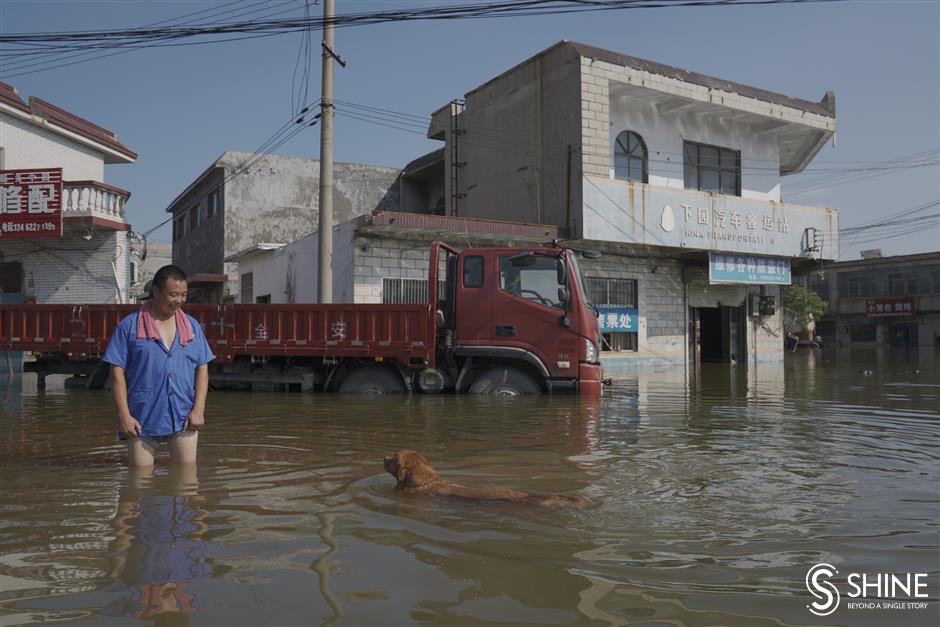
(127, 424)
(195, 419)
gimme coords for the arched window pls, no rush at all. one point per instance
(630, 158)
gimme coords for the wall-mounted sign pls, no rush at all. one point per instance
(618, 319)
(30, 203)
(889, 307)
(748, 269)
(619, 211)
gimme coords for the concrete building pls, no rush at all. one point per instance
(377, 258)
(146, 259)
(90, 262)
(230, 208)
(881, 301)
(675, 176)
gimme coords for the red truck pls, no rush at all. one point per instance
(498, 321)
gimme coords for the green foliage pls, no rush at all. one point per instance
(806, 304)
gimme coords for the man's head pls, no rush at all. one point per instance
(169, 289)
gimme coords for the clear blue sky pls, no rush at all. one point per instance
(181, 107)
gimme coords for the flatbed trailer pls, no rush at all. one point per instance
(483, 337)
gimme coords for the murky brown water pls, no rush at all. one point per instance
(711, 501)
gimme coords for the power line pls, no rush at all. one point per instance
(46, 43)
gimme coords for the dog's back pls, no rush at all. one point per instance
(415, 475)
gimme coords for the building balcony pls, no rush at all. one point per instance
(93, 201)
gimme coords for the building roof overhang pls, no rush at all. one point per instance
(258, 249)
(59, 121)
(801, 127)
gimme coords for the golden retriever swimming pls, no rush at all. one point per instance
(415, 476)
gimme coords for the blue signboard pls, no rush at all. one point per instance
(618, 319)
(751, 269)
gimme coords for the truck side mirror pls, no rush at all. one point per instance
(563, 296)
(561, 271)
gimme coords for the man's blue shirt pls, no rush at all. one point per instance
(161, 387)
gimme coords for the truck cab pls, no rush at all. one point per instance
(516, 321)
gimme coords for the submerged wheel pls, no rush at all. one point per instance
(372, 381)
(504, 382)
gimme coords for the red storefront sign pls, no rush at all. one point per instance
(889, 307)
(30, 203)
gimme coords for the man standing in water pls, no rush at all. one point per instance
(159, 374)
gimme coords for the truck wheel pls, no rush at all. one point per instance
(504, 382)
(371, 381)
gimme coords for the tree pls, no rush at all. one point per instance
(805, 304)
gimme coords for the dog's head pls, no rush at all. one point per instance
(411, 471)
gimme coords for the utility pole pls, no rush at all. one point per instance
(325, 257)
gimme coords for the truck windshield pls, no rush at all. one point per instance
(533, 277)
(576, 271)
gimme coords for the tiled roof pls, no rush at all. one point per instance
(64, 119)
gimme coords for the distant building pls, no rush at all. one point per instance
(377, 258)
(146, 259)
(90, 262)
(888, 301)
(229, 209)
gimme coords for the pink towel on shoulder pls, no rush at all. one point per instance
(147, 326)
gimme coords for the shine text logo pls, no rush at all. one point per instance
(826, 594)
(866, 591)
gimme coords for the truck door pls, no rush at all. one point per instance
(476, 274)
(528, 310)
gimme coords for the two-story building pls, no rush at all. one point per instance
(84, 257)
(674, 175)
(880, 301)
(242, 199)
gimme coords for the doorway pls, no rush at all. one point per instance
(904, 335)
(717, 334)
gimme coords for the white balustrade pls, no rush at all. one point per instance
(93, 199)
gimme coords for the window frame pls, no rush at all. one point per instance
(616, 341)
(482, 271)
(631, 156)
(250, 288)
(692, 163)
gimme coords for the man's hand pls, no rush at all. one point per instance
(194, 421)
(129, 426)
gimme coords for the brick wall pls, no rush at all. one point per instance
(660, 303)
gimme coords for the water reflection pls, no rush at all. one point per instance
(710, 499)
(158, 551)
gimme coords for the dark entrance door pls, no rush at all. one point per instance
(904, 335)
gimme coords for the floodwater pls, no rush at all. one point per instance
(710, 502)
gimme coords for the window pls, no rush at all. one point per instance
(532, 277)
(213, 203)
(179, 226)
(263, 300)
(133, 272)
(606, 292)
(194, 217)
(247, 286)
(630, 158)
(402, 291)
(712, 169)
(862, 333)
(473, 271)
(11, 277)
(856, 285)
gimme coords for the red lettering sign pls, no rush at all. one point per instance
(30, 203)
(889, 308)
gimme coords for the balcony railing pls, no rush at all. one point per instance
(93, 198)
